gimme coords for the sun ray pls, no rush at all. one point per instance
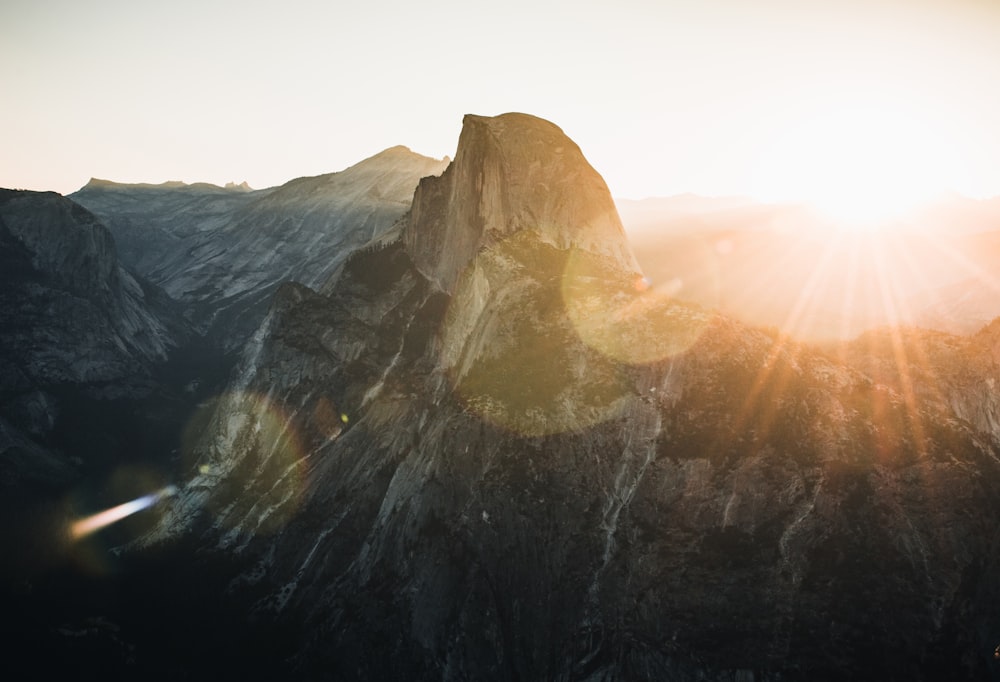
(850, 288)
(890, 301)
(944, 247)
(794, 322)
(907, 259)
(764, 378)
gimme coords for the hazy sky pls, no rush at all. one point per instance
(768, 97)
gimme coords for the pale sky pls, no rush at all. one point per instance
(768, 98)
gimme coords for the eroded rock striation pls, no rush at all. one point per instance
(484, 451)
(224, 251)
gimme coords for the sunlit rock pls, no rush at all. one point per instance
(511, 173)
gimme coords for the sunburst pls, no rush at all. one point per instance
(863, 164)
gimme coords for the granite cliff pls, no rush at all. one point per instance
(76, 327)
(485, 450)
(511, 174)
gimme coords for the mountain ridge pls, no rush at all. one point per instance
(101, 183)
(223, 253)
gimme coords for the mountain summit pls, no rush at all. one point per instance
(511, 173)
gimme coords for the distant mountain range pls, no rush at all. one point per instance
(953, 213)
(204, 245)
(224, 251)
(788, 267)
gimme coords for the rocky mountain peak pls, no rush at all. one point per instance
(64, 240)
(511, 173)
(398, 150)
(483, 444)
(386, 175)
(70, 313)
(99, 183)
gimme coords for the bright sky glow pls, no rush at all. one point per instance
(877, 99)
(861, 163)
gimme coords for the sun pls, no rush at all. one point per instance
(861, 165)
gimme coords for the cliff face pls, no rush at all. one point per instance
(72, 312)
(72, 321)
(485, 453)
(511, 173)
(154, 224)
(224, 252)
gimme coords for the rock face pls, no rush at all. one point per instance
(512, 173)
(73, 321)
(224, 252)
(485, 452)
(157, 224)
(954, 374)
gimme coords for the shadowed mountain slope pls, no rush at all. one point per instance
(224, 251)
(82, 347)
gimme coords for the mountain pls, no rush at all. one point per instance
(82, 347)
(485, 450)
(682, 213)
(963, 307)
(72, 315)
(153, 223)
(961, 215)
(224, 251)
(970, 299)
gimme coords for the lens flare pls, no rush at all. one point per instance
(512, 353)
(95, 522)
(254, 447)
(628, 320)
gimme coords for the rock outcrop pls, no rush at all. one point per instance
(512, 173)
(74, 322)
(484, 451)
